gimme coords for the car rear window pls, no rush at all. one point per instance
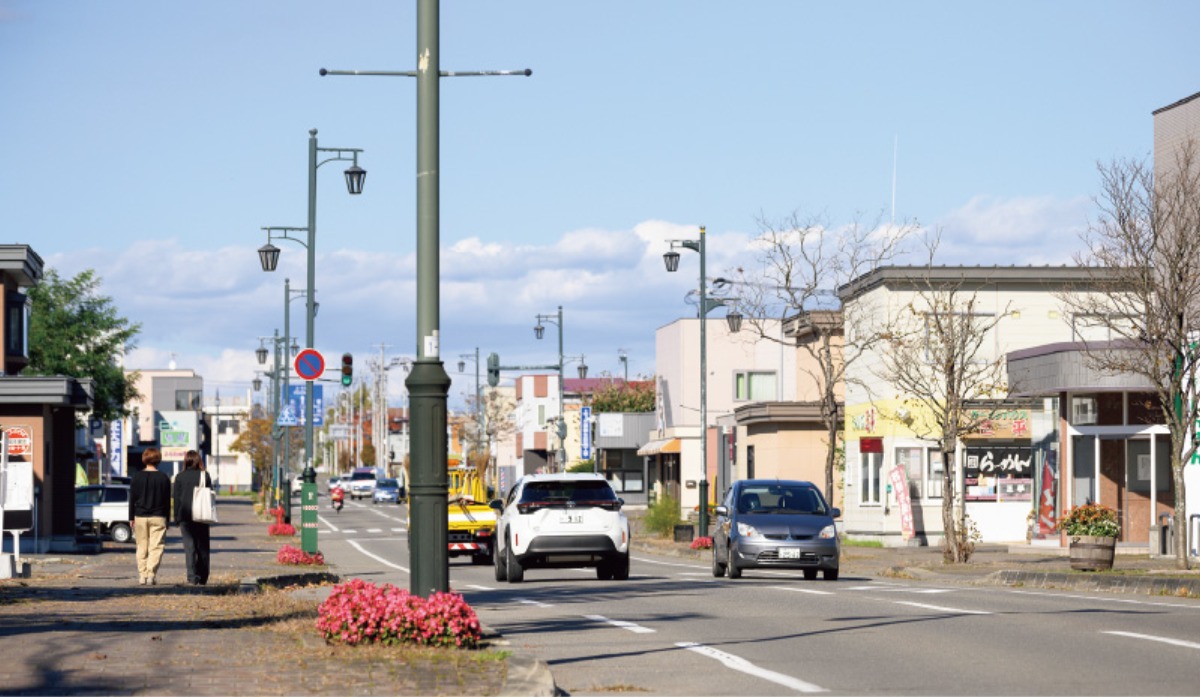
(576, 491)
(359, 476)
(388, 484)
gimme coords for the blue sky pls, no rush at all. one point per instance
(151, 141)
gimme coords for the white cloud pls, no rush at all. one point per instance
(1025, 230)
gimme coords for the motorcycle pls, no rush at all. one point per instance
(338, 497)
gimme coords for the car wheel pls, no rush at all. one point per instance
(513, 569)
(831, 574)
(620, 568)
(120, 533)
(604, 571)
(810, 574)
(731, 567)
(718, 569)
(498, 565)
(481, 558)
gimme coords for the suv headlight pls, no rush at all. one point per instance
(746, 530)
(828, 532)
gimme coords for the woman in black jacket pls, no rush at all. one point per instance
(195, 535)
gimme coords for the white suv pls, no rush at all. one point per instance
(560, 521)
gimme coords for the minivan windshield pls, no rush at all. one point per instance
(781, 498)
(359, 476)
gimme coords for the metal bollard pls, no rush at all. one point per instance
(1166, 537)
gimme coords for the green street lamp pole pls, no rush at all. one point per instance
(557, 320)
(269, 256)
(671, 259)
(427, 383)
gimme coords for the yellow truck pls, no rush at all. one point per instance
(472, 523)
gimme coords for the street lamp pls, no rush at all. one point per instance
(462, 365)
(623, 356)
(261, 354)
(269, 257)
(734, 320)
(538, 332)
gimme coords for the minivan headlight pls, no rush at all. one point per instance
(828, 532)
(746, 530)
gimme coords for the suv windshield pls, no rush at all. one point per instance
(776, 498)
(359, 476)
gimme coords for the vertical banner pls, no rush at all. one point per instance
(899, 483)
(1047, 509)
(585, 433)
(308, 517)
(116, 447)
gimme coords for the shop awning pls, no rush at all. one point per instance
(658, 447)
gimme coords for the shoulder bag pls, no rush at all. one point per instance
(204, 502)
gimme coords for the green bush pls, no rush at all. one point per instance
(584, 466)
(662, 516)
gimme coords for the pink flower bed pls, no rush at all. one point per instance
(702, 543)
(281, 529)
(294, 555)
(359, 612)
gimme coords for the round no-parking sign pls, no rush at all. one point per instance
(310, 364)
(19, 441)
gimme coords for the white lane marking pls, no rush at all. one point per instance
(326, 521)
(635, 628)
(350, 532)
(742, 665)
(802, 590)
(399, 530)
(940, 608)
(479, 588)
(377, 558)
(666, 563)
(888, 588)
(1150, 637)
(535, 603)
(374, 530)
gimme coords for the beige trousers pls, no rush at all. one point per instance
(150, 533)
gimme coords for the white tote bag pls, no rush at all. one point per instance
(204, 502)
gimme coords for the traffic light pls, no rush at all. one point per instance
(493, 369)
(347, 369)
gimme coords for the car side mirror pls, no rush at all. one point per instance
(722, 510)
(835, 512)
(496, 505)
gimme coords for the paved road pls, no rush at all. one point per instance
(674, 629)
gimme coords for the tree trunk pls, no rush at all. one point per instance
(951, 549)
(830, 459)
(1182, 524)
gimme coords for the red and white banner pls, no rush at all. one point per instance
(899, 484)
(1047, 510)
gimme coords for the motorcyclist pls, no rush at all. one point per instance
(337, 496)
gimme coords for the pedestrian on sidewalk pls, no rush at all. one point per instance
(195, 534)
(149, 506)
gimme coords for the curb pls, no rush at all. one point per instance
(528, 676)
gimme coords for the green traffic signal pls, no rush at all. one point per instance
(347, 369)
(493, 369)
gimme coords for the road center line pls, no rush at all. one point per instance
(1149, 637)
(535, 603)
(740, 664)
(635, 628)
(939, 608)
(376, 557)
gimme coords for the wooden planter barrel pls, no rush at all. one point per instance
(1089, 553)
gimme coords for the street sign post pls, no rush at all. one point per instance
(296, 404)
(310, 364)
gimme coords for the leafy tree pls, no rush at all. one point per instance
(255, 440)
(624, 397)
(76, 332)
(1145, 263)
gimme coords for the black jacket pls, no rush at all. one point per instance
(185, 483)
(149, 495)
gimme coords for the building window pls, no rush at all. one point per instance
(923, 470)
(936, 474)
(16, 330)
(187, 400)
(869, 477)
(228, 427)
(756, 386)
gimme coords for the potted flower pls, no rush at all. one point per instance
(1092, 531)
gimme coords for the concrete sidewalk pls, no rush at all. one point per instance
(82, 625)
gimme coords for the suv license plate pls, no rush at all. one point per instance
(789, 553)
(571, 518)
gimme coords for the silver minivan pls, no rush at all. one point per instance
(776, 524)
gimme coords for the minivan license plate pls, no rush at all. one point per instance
(789, 553)
(572, 518)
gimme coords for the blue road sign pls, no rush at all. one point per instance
(585, 433)
(296, 403)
